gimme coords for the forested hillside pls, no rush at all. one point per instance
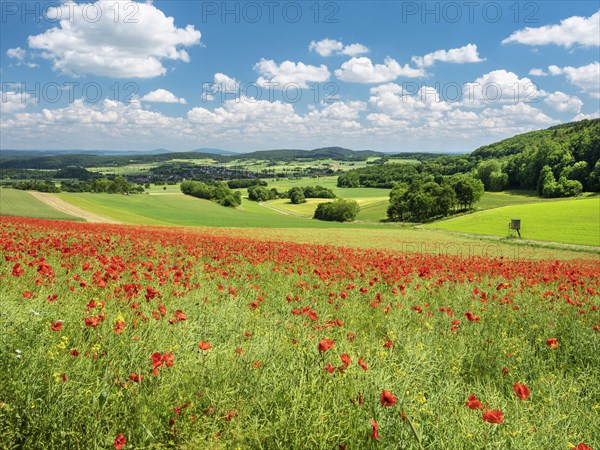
(560, 161)
(571, 151)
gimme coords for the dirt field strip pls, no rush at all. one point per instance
(67, 208)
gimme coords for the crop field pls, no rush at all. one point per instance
(572, 221)
(171, 337)
(177, 209)
(21, 203)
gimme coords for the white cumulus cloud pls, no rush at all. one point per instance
(362, 70)
(16, 53)
(133, 46)
(574, 30)
(328, 47)
(162, 96)
(500, 86)
(289, 72)
(537, 72)
(587, 78)
(462, 55)
(561, 102)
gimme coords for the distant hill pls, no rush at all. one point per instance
(213, 151)
(325, 152)
(572, 134)
(9, 153)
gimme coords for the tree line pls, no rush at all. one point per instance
(217, 192)
(424, 200)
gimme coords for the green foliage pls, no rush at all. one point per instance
(421, 201)
(381, 176)
(37, 185)
(218, 193)
(339, 210)
(318, 192)
(548, 186)
(262, 194)
(296, 195)
(242, 183)
(468, 190)
(570, 150)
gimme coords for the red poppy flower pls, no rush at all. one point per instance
(387, 398)
(361, 363)
(157, 359)
(120, 441)
(27, 294)
(388, 344)
(56, 326)
(119, 326)
(374, 430)
(325, 345)
(521, 390)
(329, 368)
(472, 317)
(493, 416)
(582, 446)
(204, 345)
(136, 377)
(552, 343)
(169, 359)
(345, 359)
(473, 403)
(180, 315)
(231, 414)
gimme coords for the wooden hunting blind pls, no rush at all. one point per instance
(515, 224)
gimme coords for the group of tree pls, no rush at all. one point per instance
(421, 201)
(299, 194)
(339, 210)
(217, 192)
(37, 185)
(243, 183)
(118, 185)
(564, 187)
(262, 194)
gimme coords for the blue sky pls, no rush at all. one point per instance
(243, 76)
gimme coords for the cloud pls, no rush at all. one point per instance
(289, 72)
(500, 86)
(13, 100)
(134, 48)
(591, 116)
(354, 50)
(574, 30)
(462, 55)
(162, 96)
(16, 53)
(537, 72)
(226, 83)
(587, 78)
(362, 70)
(328, 47)
(561, 102)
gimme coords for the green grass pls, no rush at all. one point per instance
(14, 202)
(568, 221)
(178, 209)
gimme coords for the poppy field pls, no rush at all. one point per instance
(123, 337)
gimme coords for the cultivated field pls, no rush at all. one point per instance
(183, 338)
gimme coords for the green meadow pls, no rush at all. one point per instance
(21, 203)
(567, 221)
